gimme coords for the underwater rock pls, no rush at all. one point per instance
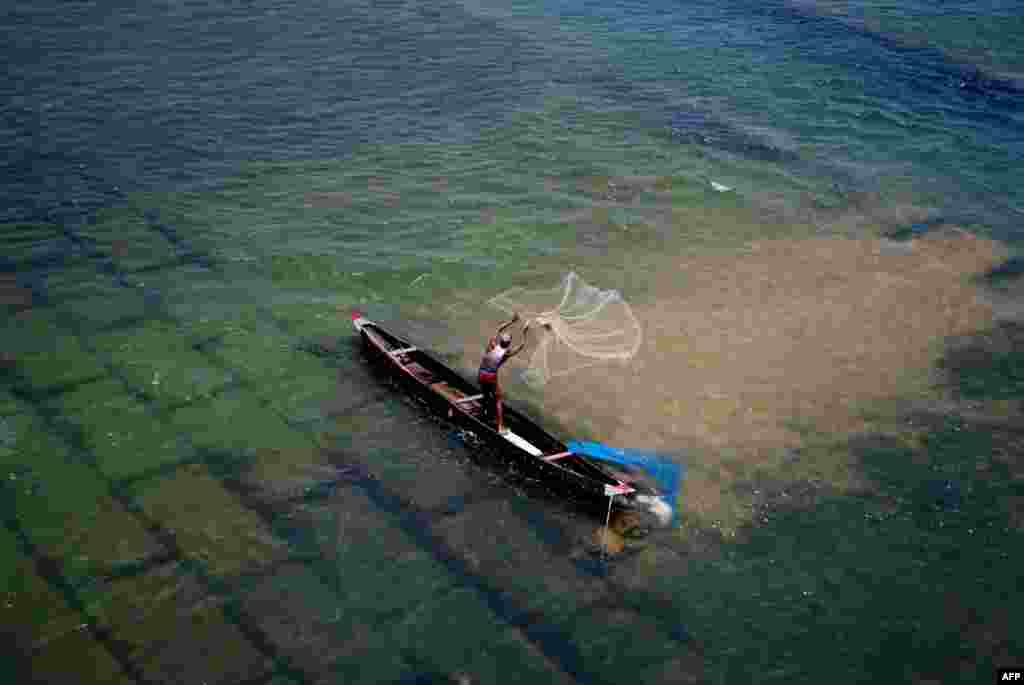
(627, 524)
(609, 541)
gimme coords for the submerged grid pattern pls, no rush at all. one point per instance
(557, 644)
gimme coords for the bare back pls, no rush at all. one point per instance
(494, 356)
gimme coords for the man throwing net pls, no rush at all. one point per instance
(496, 354)
(581, 325)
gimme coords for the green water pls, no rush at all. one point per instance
(466, 220)
(180, 459)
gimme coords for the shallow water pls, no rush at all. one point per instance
(195, 452)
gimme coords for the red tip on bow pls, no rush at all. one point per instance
(356, 315)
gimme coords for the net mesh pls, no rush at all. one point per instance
(578, 326)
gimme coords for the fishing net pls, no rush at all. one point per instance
(578, 326)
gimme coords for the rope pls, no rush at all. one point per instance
(607, 520)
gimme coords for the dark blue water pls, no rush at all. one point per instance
(101, 99)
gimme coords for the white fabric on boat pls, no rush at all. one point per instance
(522, 444)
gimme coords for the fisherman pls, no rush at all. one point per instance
(496, 354)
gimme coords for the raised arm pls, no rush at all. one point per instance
(512, 353)
(501, 329)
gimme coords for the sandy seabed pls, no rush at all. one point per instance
(743, 349)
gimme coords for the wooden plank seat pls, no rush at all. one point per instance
(556, 457)
(448, 392)
(420, 372)
(404, 350)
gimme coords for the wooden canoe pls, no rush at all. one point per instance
(524, 442)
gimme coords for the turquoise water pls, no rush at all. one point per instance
(204, 482)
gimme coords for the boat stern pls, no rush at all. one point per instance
(656, 507)
(652, 505)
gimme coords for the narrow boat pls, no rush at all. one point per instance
(524, 443)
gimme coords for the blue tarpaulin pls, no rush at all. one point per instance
(667, 474)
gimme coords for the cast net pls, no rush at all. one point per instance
(575, 325)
